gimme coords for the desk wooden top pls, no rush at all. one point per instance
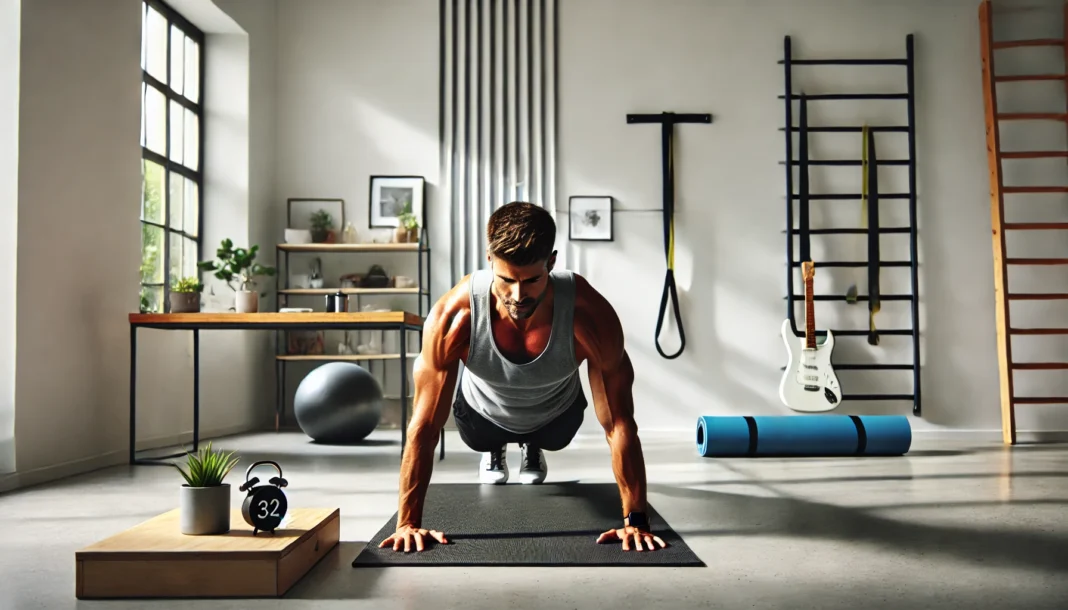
(274, 318)
(162, 535)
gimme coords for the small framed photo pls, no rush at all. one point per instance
(392, 196)
(590, 218)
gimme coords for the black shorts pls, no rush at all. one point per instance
(482, 435)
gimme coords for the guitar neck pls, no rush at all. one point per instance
(810, 316)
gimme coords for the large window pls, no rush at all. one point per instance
(172, 68)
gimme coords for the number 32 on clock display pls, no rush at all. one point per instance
(265, 506)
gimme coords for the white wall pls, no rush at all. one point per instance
(80, 82)
(342, 116)
(720, 57)
(78, 243)
(358, 96)
(9, 196)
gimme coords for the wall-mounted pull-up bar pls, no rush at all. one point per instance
(667, 121)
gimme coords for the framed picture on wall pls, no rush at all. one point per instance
(589, 218)
(391, 196)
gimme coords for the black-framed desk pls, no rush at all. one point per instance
(401, 321)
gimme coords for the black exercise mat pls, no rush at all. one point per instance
(532, 525)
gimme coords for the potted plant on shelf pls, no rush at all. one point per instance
(322, 225)
(185, 295)
(204, 500)
(408, 226)
(238, 264)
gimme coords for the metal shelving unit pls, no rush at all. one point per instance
(421, 291)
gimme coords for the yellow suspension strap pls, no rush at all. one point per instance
(871, 213)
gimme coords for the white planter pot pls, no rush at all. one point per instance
(247, 301)
(204, 510)
(298, 236)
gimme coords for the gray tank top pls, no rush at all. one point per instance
(521, 397)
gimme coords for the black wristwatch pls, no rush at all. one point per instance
(637, 519)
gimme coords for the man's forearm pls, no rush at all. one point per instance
(614, 399)
(432, 386)
(628, 464)
(416, 468)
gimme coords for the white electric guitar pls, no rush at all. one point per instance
(809, 383)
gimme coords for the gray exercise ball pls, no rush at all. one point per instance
(338, 403)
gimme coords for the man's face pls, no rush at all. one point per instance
(521, 289)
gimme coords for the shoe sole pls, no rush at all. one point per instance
(501, 478)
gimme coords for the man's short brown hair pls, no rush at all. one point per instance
(521, 233)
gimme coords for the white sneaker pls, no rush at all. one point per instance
(493, 470)
(532, 468)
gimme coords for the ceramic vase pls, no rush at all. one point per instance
(246, 301)
(204, 511)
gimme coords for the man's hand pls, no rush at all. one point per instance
(628, 534)
(407, 534)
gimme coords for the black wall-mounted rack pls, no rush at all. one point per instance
(792, 262)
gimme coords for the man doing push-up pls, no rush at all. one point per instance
(522, 330)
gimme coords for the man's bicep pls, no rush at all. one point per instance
(437, 365)
(435, 382)
(609, 366)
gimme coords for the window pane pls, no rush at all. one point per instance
(176, 201)
(144, 32)
(155, 120)
(176, 132)
(189, 258)
(192, 207)
(151, 254)
(177, 57)
(192, 70)
(152, 189)
(192, 139)
(143, 113)
(156, 43)
(176, 258)
(152, 299)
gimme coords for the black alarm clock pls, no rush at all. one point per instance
(265, 505)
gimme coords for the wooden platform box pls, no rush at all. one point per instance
(154, 559)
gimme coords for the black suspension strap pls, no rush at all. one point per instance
(667, 121)
(804, 247)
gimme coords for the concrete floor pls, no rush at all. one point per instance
(950, 526)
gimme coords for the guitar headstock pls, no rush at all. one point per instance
(808, 270)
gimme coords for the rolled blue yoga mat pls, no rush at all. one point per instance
(802, 435)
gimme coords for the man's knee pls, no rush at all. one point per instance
(479, 445)
(560, 433)
(555, 443)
